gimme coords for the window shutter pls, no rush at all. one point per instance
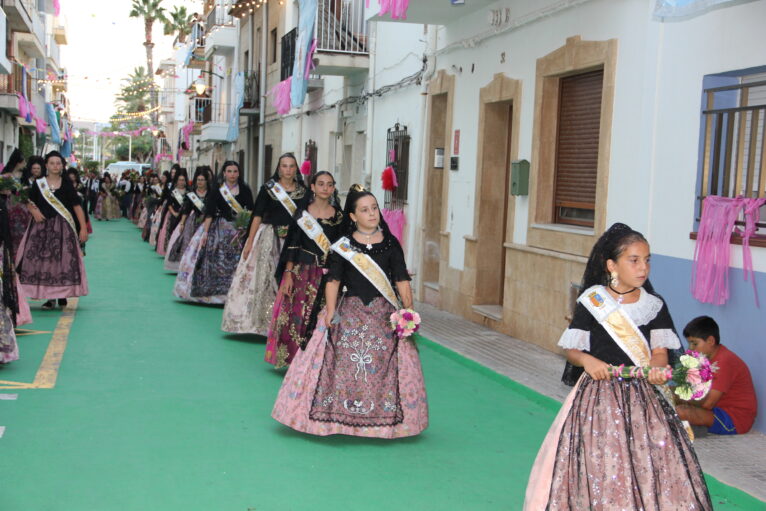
(577, 147)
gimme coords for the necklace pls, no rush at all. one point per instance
(369, 236)
(622, 295)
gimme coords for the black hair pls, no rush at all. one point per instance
(355, 193)
(180, 171)
(54, 154)
(229, 163)
(334, 199)
(610, 245)
(14, 159)
(26, 175)
(298, 175)
(703, 327)
(204, 172)
(107, 175)
(73, 170)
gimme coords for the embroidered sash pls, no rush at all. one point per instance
(231, 200)
(157, 189)
(178, 196)
(55, 203)
(194, 198)
(313, 230)
(367, 267)
(620, 327)
(280, 194)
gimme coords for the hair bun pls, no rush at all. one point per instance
(357, 188)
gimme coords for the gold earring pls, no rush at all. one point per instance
(615, 280)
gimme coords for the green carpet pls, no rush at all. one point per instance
(155, 409)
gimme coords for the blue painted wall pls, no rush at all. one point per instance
(743, 325)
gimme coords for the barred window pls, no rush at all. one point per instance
(398, 157)
(310, 154)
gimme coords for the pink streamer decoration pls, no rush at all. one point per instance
(57, 7)
(40, 125)
(186, 131)
(391, 155)
(23, 106)
(397, 8)
(710, 272)
(280, 96)
(310, 59)
(396, 221)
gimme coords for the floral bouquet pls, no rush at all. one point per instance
(405, 322)
(8, 183)
(241, 224)
(23, 195)
(692, 376)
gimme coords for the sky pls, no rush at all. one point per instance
(105, 45)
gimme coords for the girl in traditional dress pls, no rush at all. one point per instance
(175, 199)
(251, 297)
(357, 377)
(153, 201)
(192, 215)
(18, 215)
(617, 443)
(49, 262)
(165, 185)
(138, 200)
(9, 299)
(107, 206)
(316, 227)
(208, 264)
(82, 192)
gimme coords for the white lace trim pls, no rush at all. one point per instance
(645, 309)
(664, 338)
(575, 339)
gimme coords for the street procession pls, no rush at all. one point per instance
(435, 255)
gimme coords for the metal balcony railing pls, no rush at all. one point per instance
(54, 50)
(13, 83)
(252, 90)
(197, 36)
(341, 27)
(219, 15)
(199, 110)
(217, 112)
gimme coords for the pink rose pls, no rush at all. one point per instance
(693, 376)
(706, 373)
(407, 316)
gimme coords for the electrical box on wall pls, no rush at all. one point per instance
(439, 158)
(453, 163)
(520, 177)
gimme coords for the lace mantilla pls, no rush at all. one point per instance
(645, 309)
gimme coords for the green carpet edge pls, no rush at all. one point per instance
(733, 494)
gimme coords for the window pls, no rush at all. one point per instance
(577, 140)
(398, 157)
(273, 45)
(288, 54)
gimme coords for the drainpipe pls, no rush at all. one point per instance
(249, 143)
(262, 93)
(366, 179)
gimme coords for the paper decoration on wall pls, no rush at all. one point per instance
(396, 221)
(303, 46)
(280, 96)
(390, 183)
(397, 8)
(57, 7)
(306, 167)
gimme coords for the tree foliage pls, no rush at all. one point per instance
(178, 21)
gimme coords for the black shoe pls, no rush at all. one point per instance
(49, 305)
(62, 302)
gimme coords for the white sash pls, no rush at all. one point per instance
(367, 267)
(231, 200)
(313, 230)
(42, 183)
(620, 327)
(157, 189)
(178, 196)
(194, 198)
(281, 195)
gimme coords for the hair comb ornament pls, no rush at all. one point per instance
(358, 188)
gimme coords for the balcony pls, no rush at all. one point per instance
(167, 102)
(252, 101)
(10, 85)
(199, 112)
(5, 64)
(54, 53)
(59, 33)
(19, 14)
(197, 40)
(341, 33)
(221, 33)
(437, 13)
(32, 42)
(215, 125)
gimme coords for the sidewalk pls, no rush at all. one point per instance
(736, 460)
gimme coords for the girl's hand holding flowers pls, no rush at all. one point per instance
(405, 322)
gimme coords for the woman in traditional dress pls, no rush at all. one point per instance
(617, 443)
(172, 213)
(251, 296)
(18, 215)
(107, 206)
(165, 185)
(192, 215)
(316, 227)
(9, 299)
(208, 264)
(82, 192)
(50, 264)
(138, 200)
(357, 377)
(153, 201)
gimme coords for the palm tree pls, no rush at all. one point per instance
(137, 92)
(150, 11)
(178, 21)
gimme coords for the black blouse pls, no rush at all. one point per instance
(299, 248)
(216, 206)
(271, 211)
(188, 205)
(389, 256)
(66, 194)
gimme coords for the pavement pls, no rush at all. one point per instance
(735, 460)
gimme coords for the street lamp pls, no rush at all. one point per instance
(200, 87)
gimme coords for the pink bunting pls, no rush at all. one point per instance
(397, 8)
(310, 59)
(57, 7)
(40, 125)
(23, 106)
